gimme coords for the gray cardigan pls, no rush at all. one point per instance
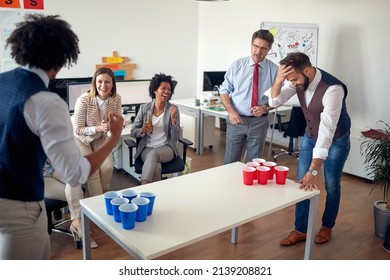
(172, 132)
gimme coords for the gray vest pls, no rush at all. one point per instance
(313, 112)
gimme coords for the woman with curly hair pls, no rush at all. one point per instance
(158, 125)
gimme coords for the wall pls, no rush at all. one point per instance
(353, 43)
(185, 38)
(158, 36)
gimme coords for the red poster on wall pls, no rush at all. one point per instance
(9, 4)
(33, 4)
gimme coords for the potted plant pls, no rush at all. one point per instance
(375, 149)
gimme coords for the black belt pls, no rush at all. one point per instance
(263, 115)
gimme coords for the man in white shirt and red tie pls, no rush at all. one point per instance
(242, 94)
(326, 141)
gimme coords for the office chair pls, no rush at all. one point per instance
(55, 202)
(174, 166)
(294, 128)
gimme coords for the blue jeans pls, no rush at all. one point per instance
(333, 169)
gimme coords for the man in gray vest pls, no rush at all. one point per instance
(326, 141)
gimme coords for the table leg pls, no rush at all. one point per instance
(200, 132)
(272, 135)
(85, 221)
(234, 238)
(310, 227)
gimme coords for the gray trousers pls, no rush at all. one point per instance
(23, 230)
(152, 158)
(252, 133)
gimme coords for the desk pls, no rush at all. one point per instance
(188, 105)
(120, 153)
(217, 112)
(193, 207)
(274, 111)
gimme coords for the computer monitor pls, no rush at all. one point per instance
(212, 79)
(59, 85)
(132, 92)
(74, 91)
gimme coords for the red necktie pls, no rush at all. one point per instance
(255, 85)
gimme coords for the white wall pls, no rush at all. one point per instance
(158, 36)
(353, 43)
(185, 37)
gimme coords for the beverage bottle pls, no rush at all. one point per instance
(148, 119)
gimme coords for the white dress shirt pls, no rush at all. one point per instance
(47, 116)
(332, 102)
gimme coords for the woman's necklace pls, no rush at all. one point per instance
(158, 112)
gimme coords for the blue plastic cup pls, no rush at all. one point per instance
(151, 196)
(128, 212)
(129, 194)
(107, 198)
(116, 202)
(142, 212)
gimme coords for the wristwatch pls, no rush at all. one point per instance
(313, 172)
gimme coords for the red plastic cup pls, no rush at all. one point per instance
(253, 164)
(271, 165)
(262, 174)
(259, 160)
(248, 175)
(281, 174)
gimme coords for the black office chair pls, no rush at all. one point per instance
(54, 210)
(294, 128)
(174, 166)
(55, 202)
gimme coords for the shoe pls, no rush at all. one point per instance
(293, 238)
(323, 236)
(77, 236)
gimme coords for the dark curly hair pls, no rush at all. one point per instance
(45, 42)
(298, 60)
(156, 82)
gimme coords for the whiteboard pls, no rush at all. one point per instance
(292, 37)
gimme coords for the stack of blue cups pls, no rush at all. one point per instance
(127, 207)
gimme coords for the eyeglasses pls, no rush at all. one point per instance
(262, 49)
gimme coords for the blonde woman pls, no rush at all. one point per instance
(90, 125)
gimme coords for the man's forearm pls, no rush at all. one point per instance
(275, 89)
(226, 102)
(97, 158)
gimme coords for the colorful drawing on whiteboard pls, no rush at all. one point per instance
(292, 38)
